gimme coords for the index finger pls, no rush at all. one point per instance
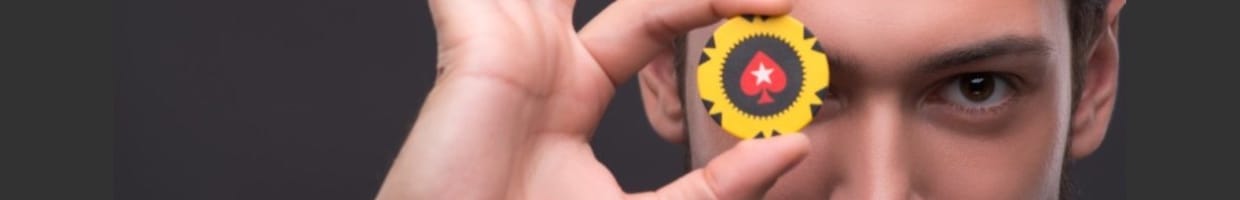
(626, 35)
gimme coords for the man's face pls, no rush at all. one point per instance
(940, 99)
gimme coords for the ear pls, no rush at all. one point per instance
(659, 88)
(1097, 100)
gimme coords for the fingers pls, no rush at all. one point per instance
(628, 33)
(746, 171)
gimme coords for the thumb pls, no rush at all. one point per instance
(746, 171)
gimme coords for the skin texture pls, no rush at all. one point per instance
(519, 94)
(889, 129)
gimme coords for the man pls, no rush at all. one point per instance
(968, 99)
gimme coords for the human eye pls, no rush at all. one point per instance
(975, 93)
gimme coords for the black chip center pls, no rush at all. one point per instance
(781, 53)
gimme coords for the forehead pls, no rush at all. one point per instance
(890, 36)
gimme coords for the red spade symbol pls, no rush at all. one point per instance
(763, 76)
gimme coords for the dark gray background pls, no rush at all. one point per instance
(310, 99)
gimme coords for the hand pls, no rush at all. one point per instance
(519, 94)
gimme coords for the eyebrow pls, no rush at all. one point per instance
(1005, 45)
(840, 61)
(996, 47)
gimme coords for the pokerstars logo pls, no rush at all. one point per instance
(762, 76)
(763, 80)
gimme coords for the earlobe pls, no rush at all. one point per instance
(660, 98)
(1097, 101)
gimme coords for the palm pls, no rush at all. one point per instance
(533, 65)
(518, 97)
(532, 58)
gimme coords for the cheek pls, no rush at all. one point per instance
(706, 138)
(1016, 157)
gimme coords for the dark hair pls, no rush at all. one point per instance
(1086, 23)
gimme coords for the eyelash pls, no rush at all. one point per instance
(1010, 83)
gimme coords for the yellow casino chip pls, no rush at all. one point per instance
(762, 76)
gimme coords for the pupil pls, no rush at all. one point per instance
(977, 87)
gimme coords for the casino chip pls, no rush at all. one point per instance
(762, 76)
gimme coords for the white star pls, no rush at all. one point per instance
(763, 74)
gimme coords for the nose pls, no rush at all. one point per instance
(876, 164)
